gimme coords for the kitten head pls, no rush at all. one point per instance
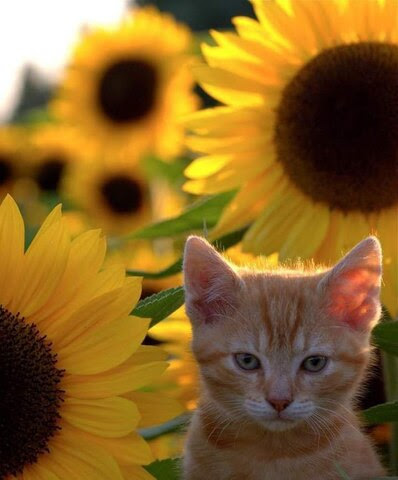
(281, 347)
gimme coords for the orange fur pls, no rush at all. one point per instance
(281, 317)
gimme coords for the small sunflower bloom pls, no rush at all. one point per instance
(127, 85)
(113, 195)
(11, 143)
(307, 131)
(71, 360)
(50, 151)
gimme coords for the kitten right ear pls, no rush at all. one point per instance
(351, 289)
(210, 283)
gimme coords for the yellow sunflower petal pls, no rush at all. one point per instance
(205, 166)
(103, 347)
(124, 378)
(135, 472)
(86, 256)
(43, 268)
(131, 449)
(147, 354)
(107, 417)
(225, 87)
(332, 247)
(387, 230)
(155, 408)
(307, 233)
(97, 312)
(11, 247)
(90, 462)
(38, 472)
(248, 203)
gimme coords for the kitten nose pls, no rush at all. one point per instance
(279, 403)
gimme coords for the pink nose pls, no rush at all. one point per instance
(279, 403)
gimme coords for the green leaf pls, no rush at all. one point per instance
(229, 240)
(385, 336)
(386, 412)
(173, 171)
(202, 214)
(172, 426)
(34, 117)
(222, 244)
(165, 469)
(160, 305)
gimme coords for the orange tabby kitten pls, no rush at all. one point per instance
(281, 354)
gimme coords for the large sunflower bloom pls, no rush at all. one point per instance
(70, 359)
(308, 132)
(127, 85)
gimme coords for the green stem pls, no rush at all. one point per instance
(390, 364)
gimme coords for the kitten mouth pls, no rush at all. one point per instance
(279, 424)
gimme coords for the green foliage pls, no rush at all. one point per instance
(176, 425)
(387, 412)
(34, 117)
(160, 305)
(385, 336)
(222, 244)
(173, 171)
(165, 469)
(200, 215)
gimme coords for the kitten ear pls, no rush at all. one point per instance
(351, 289)
(210, 283)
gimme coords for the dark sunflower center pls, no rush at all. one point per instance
(122, 194)
(127, 90)
(30, 396)
(337, 127)
(6, 170)
(49, 174)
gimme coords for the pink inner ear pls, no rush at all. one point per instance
(353, 298)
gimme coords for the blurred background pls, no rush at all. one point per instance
(36, 39)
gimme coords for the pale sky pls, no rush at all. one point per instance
(40, 32)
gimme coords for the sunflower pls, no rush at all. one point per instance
(308, 132)
(51, 150)
(71, 358)
(127, 85)
(10, 157)
(114, 195)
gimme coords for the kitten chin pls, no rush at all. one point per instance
(282, 354)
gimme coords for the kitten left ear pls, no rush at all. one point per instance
(210, 283)
(351, 289)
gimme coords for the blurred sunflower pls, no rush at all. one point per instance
(181, 380)
(114, 196)
(10, 157)
(71, 358)
(127, 85)
(53, 148)
(308, 130)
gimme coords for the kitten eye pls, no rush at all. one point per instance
(247, 361)
(315, 363)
